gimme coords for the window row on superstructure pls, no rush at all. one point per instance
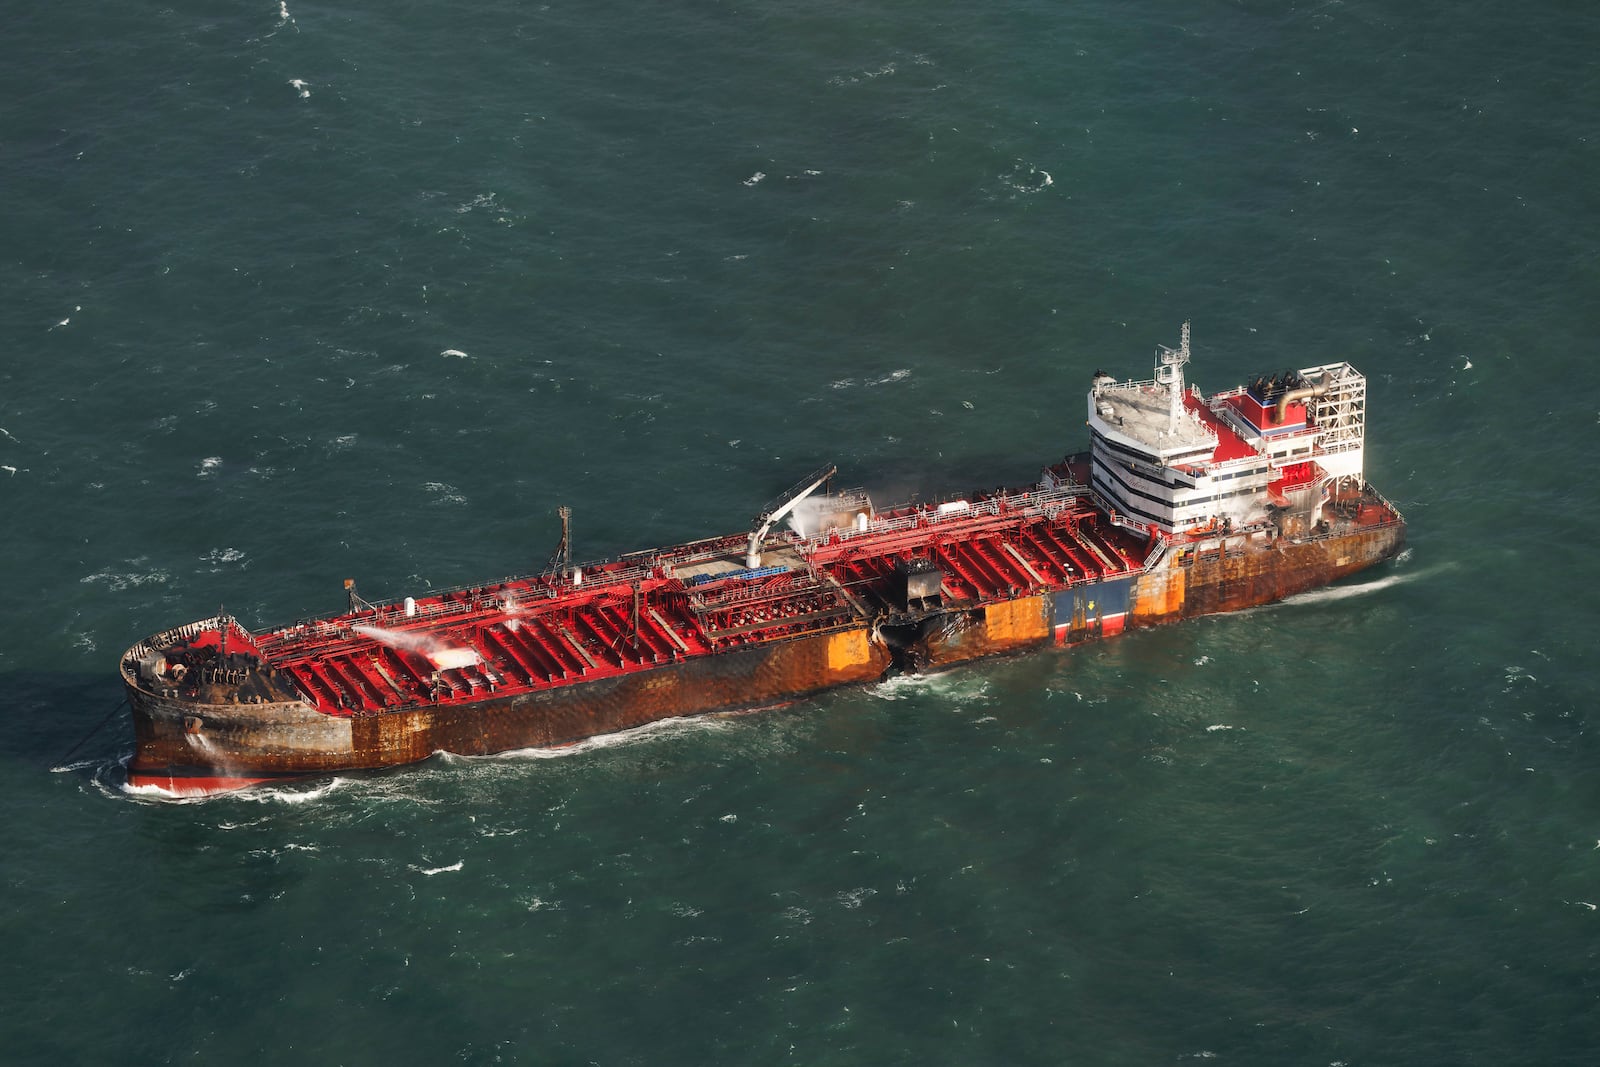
(1176, 508)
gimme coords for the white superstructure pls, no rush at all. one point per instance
(1277, 449)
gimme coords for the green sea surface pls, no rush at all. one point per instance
(295, 292)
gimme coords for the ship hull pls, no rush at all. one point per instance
(1247, 570)
(186, 748)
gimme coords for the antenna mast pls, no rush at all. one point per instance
(561, 560)
(1169, 372)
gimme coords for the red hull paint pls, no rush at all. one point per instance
(1109, 627)
(185, 786)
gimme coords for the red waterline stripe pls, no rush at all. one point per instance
(183, 785)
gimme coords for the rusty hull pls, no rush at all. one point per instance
(244, 742)
(1243, 571)
(177, 738)
(1221, 575)
(991, 630)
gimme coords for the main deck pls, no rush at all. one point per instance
(642, 611)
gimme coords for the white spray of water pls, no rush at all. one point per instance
(951, 688)
(807, 516)
(1344, 592)
(442, 655)
(449, 659)
(815, 514)
(423, 643)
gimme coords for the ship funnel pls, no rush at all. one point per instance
(1305, 393)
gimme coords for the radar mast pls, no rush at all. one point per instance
(1169, 372)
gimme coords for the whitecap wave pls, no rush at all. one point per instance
(118, 580)
(446, 494)
(536, 903)
(479, 201)
(431, 871)
(1027, 179)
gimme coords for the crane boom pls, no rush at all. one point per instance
(752, 556)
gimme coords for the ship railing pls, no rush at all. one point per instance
(797, 582)
(135, 656)
(1236, 422)
(189, 630)
(1389, 505)
(1153, 560)
(492, 596)
(593, 575)
(1343, 443)
(1142, 383)
(1048, 502)
(1369, 492)
(1107, 508)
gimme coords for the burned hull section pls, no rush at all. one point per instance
(992, 630)
(185, 747)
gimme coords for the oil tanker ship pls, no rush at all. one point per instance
(1184, 505)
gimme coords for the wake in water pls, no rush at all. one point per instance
(256, 794)
(956, 688)
(1345, 592)
(110, 780)
(650, 730)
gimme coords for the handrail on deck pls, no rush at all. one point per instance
(1029, 501)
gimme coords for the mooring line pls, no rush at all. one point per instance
(98, 727)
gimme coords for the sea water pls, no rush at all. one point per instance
(297, 293)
